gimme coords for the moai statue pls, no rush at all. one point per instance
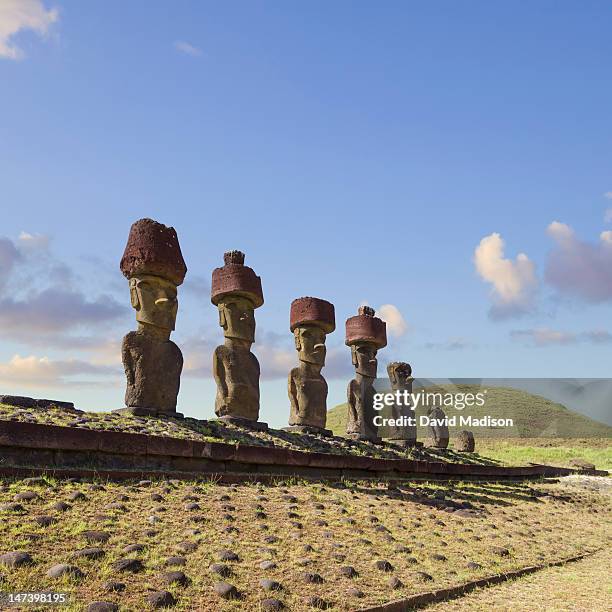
(310, 320)
(400, 377)
(154, 266)
(439, 430)
(236, 291)
(365, 334)
(465, 442)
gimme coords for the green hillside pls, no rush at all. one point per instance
(533, 416)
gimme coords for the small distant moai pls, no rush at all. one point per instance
(365, 334)
(311, 319)
(400, 377)
(236, 291)
(439, 434)
(154, 266)
(464, 442)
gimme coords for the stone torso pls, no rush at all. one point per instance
(153, 370)
(402, 432)
(361, 407)
(438, 431)
(308, 395)
(237, 375)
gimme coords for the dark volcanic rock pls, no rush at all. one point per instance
(355, 592)
(316, 602)
(128, 565)
(267, 565)
(89, 553)
(176, 561)
(312, 578)
(227, 555)
(160, 599)
(16, 559)
(270, 585)
(221, 570)
(272, 604)
(383, 565)
(395, 583)
(226, 590)
(93, 535)
(348, 571)
(175, 578)
(102, 606)
(113, 587)
(63, 569)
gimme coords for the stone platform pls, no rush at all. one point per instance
(32, 446)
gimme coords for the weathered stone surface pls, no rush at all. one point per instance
(310, 320)
(236, 291)
(64, 569)
(102, 606)
(152, 248)
(175, 577)
(272, 604)
(438, 432)
(383, 565)
(226, 590)
(154, 265)
(270, 585)
(93, 535)
(113, 586)
(128, 565)
(400, 377)
(365, 334)
(582, 464)
(89, 553)
(153, 367)
(161, 599)
(464, 442)
(16, 559)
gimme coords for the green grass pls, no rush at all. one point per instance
(533, 416)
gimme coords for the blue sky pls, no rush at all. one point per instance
(355, 151)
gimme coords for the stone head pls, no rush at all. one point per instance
(155, 300)
(237, 318)
(400, 374)
(364, 359)
(310, 344)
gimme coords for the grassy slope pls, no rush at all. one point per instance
(544, 431)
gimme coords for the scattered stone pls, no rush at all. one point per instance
(464, 442)
(12, 507)
(77, 496)
(26, 496)
(187, 546)
(160, 599)
(395, 583)
(267, 565)
(61, 506)
(271, 539)
(221, 570)
(128, 565)
(131, 548)
(113, 587)
(272, 604)
(226, 590)
(349, 571)
(156, 497)
(355, 592)
(176, 561)
(89, 553)
(438, 557)
(270, 585)
(63, 569)
(227, 555)
(316, 602)
(500, 550)
(423, 576)
(474, 566)
(175, 578)
(312, 578)
(93, 535)
(102, 606)
(45, 521)
(16, 559)
(383, 565)
(192, 506)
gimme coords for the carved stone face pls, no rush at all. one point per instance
(237, 318)
(364, 359)
(400, 374)
(310, 343)
(154, 299)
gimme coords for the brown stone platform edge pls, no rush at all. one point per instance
(422, 600)
(52, 447)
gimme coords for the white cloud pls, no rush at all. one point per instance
(608, 215)
(187, 48)
(19, 15)
(577, 268)
(452, 344)
(36, 371)
(549, 337)
(33, 242)
(514, 282)
(396, 324)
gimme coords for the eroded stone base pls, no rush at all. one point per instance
(307, 429)
(403, 443)
(245, 423)
(364, 438)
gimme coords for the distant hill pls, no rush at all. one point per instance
(534, 416)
